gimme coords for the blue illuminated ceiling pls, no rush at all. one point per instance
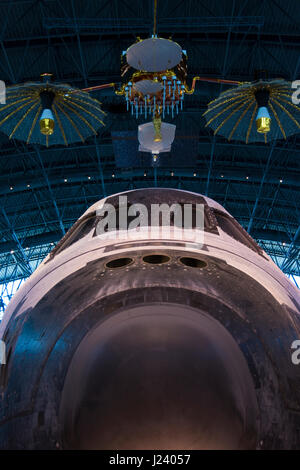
(43, 191)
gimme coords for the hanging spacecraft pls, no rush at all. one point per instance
(125, 340)
(158, 84)
(156, 137)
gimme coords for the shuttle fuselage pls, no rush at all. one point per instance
(128, 339)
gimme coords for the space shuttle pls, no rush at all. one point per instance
(169, 339)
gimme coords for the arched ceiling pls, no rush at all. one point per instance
(44, 190)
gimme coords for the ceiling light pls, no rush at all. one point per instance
(47, 122)
(263, 120)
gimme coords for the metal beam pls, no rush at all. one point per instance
(291, 255)
(261, 187)
(50, 191)
(15, 237)
(100, 166)
(77, 29)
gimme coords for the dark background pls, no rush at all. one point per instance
(81, 43)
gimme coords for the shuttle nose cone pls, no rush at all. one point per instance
(159, 376)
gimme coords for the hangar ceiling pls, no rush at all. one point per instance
(44, 190)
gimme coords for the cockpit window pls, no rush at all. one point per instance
(232, 228)
(89, 222)
(79, 230)
(213, 218)
(82, 231)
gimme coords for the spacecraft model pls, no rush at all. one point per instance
(154, 84)
(154, 74)
(159, 83)
(156, 89)
(49, 113)
(156, 137)
(130, 339)
(233, 113)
